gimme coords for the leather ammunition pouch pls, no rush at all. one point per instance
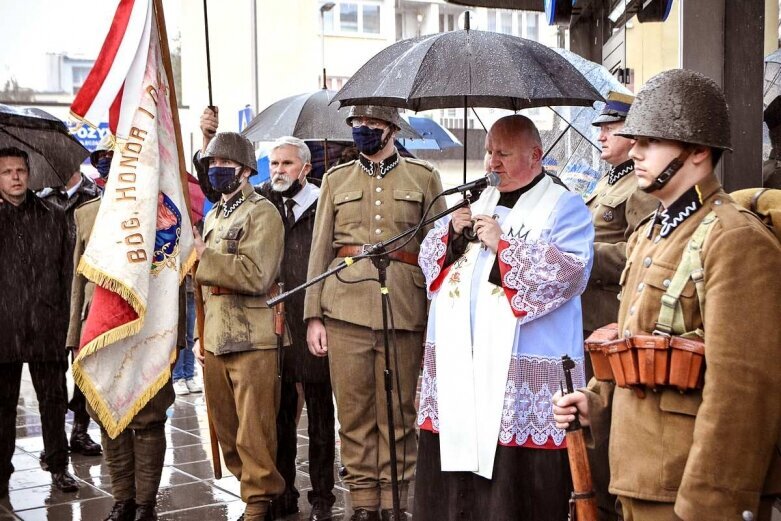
(673, 356)
(644, 360)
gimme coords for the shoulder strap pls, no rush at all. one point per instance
(670, 314)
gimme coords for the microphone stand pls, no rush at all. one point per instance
(378, 253)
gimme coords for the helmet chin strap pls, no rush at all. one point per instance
(669, 171)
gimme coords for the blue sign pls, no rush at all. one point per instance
(87, 135)
(245, 116)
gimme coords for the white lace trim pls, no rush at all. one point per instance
(543, 277)
(432, 249)
(527, 413)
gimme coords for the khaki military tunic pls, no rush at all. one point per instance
(711, 452)
(615, 211)
(354, 209)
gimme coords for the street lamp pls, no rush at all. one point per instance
(326, 6)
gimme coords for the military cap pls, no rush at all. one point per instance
(616, 108)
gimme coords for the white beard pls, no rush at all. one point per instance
(280, 183)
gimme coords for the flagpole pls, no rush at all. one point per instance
(166, 55)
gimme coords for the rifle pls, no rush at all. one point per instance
(279, 326)
(201, 316)
(582, 503)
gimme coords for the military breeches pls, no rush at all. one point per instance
(357, 363)
(633, 509)
(242, 393)
(49, 381)
(135, 457)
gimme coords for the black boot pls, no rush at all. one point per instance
(146, 512)
(387, 515)
(81, 443)
(123, 511)
(64, 482)
(361, 514)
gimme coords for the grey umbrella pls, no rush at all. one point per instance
(467, 68)
(54, 154)
(307, 116)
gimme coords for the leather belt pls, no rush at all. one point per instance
(401, 256)
(219, 290)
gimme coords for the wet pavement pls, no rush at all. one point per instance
(188, 490)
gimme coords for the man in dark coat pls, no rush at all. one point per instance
(36, 267)
(78, 190)
(296, 200)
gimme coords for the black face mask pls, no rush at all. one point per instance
(225, 179)
(291, 190)
(369, 141)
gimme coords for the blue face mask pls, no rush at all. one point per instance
(368, 141)
(103, 166)
(224, 179)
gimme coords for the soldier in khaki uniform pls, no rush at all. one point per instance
(134, 458)
(710, 451)
(362, 202)
(240, 256)
(616, 207)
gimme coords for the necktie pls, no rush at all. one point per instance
(290, 218)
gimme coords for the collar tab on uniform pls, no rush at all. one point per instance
(380, 169)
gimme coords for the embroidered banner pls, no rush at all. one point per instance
(142, 244)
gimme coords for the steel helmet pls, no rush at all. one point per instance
(680, 105)
(233, 146)
(387, 114)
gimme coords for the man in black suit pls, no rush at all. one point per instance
(296, 200)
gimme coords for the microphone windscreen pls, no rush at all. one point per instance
(493, 178)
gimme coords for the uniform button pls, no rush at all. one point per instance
(640, 287)
(717, 202)
(378, 231)
(346, 197)
(377, 217)
(666, 283)
(377, 203)
(627, 333)
(378, 189)
(407, 196)
(647, 262)
(632, 310)
(218, 240)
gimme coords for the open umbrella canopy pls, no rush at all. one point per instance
(467, 68)
(53, 153)
(772, 88)
(435, 136)
(307, 116)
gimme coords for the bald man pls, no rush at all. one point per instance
(504, 309)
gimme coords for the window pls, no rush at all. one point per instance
(79, 74)
(506, 22)
(348, 18)
(491, 20)
(371, 19)
(354, 17)
(447, 22)
(532, 27)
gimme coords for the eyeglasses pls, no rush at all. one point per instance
(368, 122)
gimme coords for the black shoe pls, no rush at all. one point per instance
(42, 460)
(64, 482)
(386, 514)
(146, 512)
(81, 443)
(281, 507)
(321, 511)
(361, 514)
(123, 511)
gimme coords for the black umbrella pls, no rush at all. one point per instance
(467, 68)
(772, 88)
(307, 116)
(54, 154)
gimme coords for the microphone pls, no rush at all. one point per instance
(490, 179)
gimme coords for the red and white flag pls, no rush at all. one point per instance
(142, 244)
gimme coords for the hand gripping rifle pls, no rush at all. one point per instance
(582, 503)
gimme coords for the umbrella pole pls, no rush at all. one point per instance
(465, 125)
(325, 153)
(208, 54)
